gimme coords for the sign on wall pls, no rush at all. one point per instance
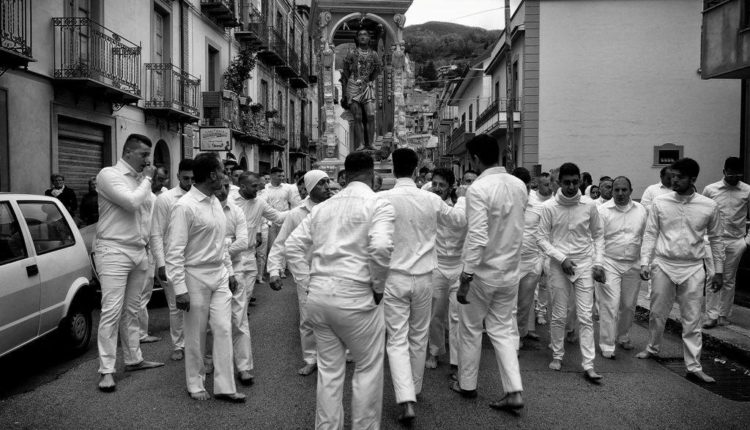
(215, 139)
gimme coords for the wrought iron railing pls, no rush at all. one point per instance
(168, 86)
(304, 71)
(457, 132)
(293, 60)
(15, 26)
(294, 142)
(277, 132)
(496, 111)
(277, 43)
(85, 49)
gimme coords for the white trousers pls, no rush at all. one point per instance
(210, 303)
(526, 289)
(492, 306)
(306, 334)
(719, 304)
(541, 295)
(250, 288)
(273, 232)
(689, 296)
(583, 290)
(617, 299)
(344, 315)
(407, 303)
(148, 290)
(441, 288)
(176, 318)
(241, 341)
(453, 324)
(121, 282)
(261, 253)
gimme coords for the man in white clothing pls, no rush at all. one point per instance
(448, 245)
(199, 267)
(732, 196)
(664, 186)
(120, 255)
(408, 289)
(541, 296)
(347, 267)
(162, 212)
(605, 190)
(488, 292)
(570, 233)
(672, 256)
(281, 197)
(317, 185)
(624, 222)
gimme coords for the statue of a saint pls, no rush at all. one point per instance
(361, 68)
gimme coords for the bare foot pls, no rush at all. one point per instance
(200, 395)
(307, 369)
(107, 383)
(431, 362)
(555, 364)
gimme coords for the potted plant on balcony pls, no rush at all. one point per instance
(255, 108)
(239, 70)
(271, 113)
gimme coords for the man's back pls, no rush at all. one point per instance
(282, 197)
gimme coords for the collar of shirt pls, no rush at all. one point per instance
(726, 185)
(683, 199)
(610, 204)
(127, 169)
(357, 185)
(309, 204)
(492, 171)
(198, 195)
(405, 182)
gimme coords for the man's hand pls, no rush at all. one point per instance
(463, 288)
(149, 171)
(258, 239)
(717, 282)
(461, 191)
(275, 283)
(378, 297)
(568, 267)
(232, 284)
(599, 274)
(645, 273)
(183, 302)
(161, 273)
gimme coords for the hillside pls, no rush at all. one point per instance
(445, 43)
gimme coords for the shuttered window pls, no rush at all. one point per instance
(80, 152)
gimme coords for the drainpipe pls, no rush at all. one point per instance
(182, 68)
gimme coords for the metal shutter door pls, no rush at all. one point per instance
(79, 149)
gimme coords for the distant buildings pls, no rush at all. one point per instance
(613, 86)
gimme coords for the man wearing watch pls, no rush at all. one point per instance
(488, 291)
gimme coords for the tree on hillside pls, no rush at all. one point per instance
(429, 73)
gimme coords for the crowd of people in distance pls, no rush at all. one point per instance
(387, 272)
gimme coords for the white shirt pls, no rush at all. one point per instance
(600, 201)
(569, 228)
(653, 191)
(623, 233)
(236, 240)
(417, 216)
(283, 197)
(530, 250)
(427, 186)
(124, 210)
(349, 236)
(536, 198)
(160, 221)
(292, 221)
(495, 205)
(674, 235)
(733, 206)
(195, 242)
(254, 210)
(449, 241)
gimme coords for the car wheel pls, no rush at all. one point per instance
(75, 329)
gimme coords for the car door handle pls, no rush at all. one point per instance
(32, 270)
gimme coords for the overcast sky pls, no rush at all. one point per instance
(476, 13)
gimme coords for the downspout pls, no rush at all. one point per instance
(182, 68)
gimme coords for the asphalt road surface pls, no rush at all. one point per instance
(39, 388)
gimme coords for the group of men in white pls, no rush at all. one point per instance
(382, 273)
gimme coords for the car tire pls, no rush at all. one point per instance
(75, 328)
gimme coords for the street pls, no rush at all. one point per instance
(38, 389)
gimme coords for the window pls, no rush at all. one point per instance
(667, 154)
(48, 227)
(497, 91)
(471, 118)
(264, 94)
(4, 143)
(214, 74)
(12, 246)
(280, 106)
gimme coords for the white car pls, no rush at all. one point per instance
(44, 274)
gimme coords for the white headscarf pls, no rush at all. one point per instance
(312, 178)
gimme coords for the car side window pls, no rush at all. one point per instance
(12, 246)
(48, 227)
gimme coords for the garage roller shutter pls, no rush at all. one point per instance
(80, 149)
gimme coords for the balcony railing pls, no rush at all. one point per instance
(496, 112)
(253, 29)
(172, 92)
(459, 137)
(15, 32)
(276, 52)
(221, 109)
(278, 131)
(88, 51)
(295, 142)
(302, 79)
(220, 11)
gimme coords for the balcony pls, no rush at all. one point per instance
(459, 137)
(495, 115)
(725, 40)
(172, 93)
(277, 137)
(290, 69)
(222, 109)
(221, 12)
(15, 33)
(275, 54)
(303, 78)
(253, 31)
(255, 126)
(295, 145)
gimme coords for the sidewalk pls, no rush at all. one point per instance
(732, 340)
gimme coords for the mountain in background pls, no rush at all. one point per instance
(435, 44)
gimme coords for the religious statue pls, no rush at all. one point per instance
(361, 69)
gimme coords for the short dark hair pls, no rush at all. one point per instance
(424, 170)
(523, 174)
(247, 174)
(205, 163)
(55, 176)
(134, 141)
(301, 181)
(358, 162)
(485, 147)
(663, 171)
(405, 160)
(625, 178)
(186, 165)
(470, 171)
(446, 174)
(340, 174)
(604, 178)
(237, 167)
(276, 170)
(686, 166)
(733, 163)
(568, 169)
(545, 175)
(586, 176)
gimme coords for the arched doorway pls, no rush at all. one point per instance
(161, 154)
(243, 163)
